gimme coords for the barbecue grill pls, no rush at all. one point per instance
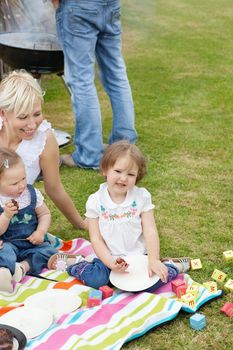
(38, 53)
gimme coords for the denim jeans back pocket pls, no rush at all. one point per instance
(116, 21)
(80, 21)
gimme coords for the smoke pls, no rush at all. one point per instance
(27, 16)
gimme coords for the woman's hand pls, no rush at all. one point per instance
(158, 268)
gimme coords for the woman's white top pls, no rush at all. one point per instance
(24, 199)
(30, 151)
(120, 224)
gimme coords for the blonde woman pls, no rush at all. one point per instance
(24, 130)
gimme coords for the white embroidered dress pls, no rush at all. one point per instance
(120, 224)
(30, 151)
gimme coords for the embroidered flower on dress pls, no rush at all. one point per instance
(14, 219)
(112, 216)
(26, 219)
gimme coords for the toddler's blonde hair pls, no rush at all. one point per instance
(8, 157)
(119, 149)
(18, 92)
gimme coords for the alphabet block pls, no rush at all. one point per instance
(197, 321)
(181, 290)
(228, 255)
(227, 309)
(193, 289)
(177, 283)
(196, 264)
(94, 298)
(106, 291)
(189, 300)
(218, 275)
(229, 285)
(211, 286)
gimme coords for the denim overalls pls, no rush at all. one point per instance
(17, 248)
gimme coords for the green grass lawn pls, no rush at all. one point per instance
(179, 57)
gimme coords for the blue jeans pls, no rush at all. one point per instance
(89, 30)
(37, 256)
(96, 274)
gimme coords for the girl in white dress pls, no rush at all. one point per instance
(121, 222)
(23, 129)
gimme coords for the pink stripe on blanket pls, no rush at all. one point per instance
(101, 317)
(85, 251)
(80, 246)
(80, 242)
(62, 318)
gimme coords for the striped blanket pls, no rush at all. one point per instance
(118, 319)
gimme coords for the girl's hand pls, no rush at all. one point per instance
(36, 238)
(1, 244)
(10, 209)
(120, 265)
(158, 268)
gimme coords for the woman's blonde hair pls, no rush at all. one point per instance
(8, 158)
(18, 92)
(120, 149)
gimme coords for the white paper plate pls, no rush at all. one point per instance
(136, 278)
(29, 320)
(56, 301)
(62, 137)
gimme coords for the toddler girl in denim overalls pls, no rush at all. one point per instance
(24, 221)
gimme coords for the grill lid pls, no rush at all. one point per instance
(35, 52)
(31, 41)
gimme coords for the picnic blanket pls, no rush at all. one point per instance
(118, 319)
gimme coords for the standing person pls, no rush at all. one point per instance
(23, 129)
(121, 222)
(24, 221)
(89, 29)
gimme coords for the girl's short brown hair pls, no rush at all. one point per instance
(8, 158)
(119, 149)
